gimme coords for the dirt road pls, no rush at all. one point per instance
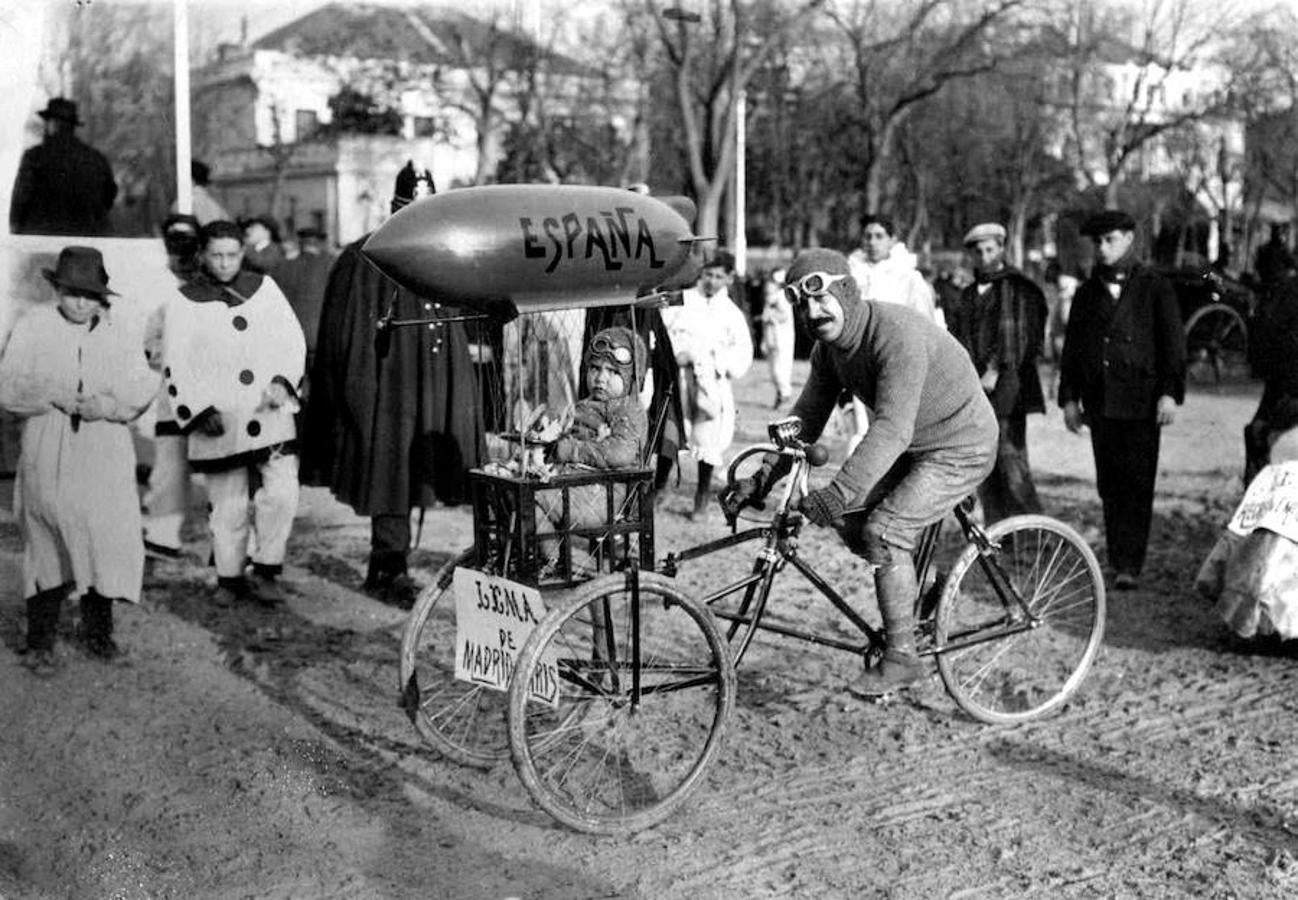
(246, 753)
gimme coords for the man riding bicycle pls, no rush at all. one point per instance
(931, 441)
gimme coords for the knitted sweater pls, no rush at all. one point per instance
(918, 382)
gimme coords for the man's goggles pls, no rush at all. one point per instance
(602, 346)
(813, 284)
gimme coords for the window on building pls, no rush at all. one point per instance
(425, 126)
(306, 121)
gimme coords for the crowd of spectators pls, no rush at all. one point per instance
(266, 371)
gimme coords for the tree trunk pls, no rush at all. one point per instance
(1018, 227)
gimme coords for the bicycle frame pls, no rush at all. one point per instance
(780, 548)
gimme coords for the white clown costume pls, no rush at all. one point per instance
(226, 344)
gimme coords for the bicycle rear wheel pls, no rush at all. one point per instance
(463, 721)
(1002, 664)
(641, 688)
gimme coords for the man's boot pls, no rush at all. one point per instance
(703, 493)
(97, 626)
(895, 586)
(387, 580)
(42, 626)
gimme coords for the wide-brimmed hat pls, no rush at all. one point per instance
(62, 109)
(80, 269)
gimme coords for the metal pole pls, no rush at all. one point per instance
(741, 226)
(184, 152)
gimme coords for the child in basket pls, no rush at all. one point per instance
(607, 430)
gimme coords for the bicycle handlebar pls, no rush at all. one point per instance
(803, 455)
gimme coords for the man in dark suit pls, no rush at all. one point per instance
(63, 186)
(1122, 373)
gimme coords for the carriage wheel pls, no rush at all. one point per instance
(1216, 345)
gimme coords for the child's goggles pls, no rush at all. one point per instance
(602, 346)
(813, 284)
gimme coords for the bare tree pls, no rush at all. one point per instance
(900, 54)
(1265, 91)
(1128, 80)
(117, 64)
(713, 52)
(489, 60)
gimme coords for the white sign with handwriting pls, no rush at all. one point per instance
(493, 618)
(1271, 502)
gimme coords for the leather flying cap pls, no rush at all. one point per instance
(831, 262)
(985, 231)
(622, 348)
(1109, 220)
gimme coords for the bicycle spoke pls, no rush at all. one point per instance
(1002, 671)
(620, 758)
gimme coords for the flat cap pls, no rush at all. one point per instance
(985, 231)
(1106, 221)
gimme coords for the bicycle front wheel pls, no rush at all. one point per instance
(463, 721)
(1008, 662)
(618, 703)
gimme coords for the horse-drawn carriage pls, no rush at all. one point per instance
(1216, 310)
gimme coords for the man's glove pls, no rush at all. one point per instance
(209, 423)
(749, 491)
(823, 507)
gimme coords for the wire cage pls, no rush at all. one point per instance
(535, 522)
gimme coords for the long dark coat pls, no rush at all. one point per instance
(63, 186)
(1004, 326)
(389, 430)
(1121, 355)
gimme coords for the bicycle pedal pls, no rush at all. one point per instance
(874, 698)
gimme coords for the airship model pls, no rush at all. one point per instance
(508, 250)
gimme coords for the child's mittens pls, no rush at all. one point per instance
(547, 431)
(565, 450)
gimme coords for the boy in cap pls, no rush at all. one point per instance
(932, 437)
(77, 378)
(1122, 373)
(234, 357)
(1000, 320)
(167, 498)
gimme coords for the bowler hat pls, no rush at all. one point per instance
(1109, 220)
(80, 269)
(983, 232)
(62, 109)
